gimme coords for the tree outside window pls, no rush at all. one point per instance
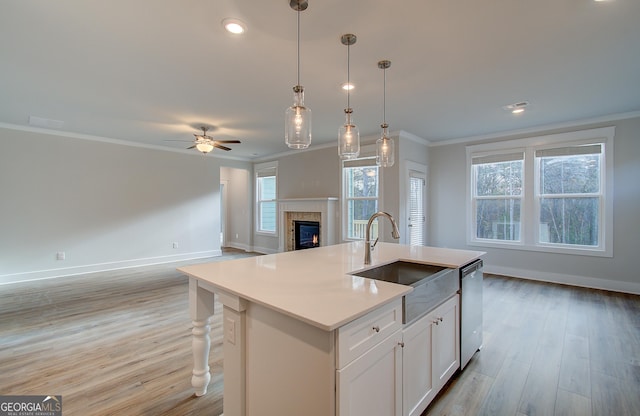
(361, 196)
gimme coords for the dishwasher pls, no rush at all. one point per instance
(470, 311)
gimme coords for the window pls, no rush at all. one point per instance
(497, 196)
(550, 193)
(360, 196)
(416, 218)
(266, 198)
(569, 194)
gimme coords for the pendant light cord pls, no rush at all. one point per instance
(384, 98)
(298, 47)
(348, 76)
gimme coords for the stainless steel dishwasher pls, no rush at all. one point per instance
(470, 311)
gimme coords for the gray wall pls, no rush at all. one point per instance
(447, 221)
(239, 206)
(105, 205)
(317, 173)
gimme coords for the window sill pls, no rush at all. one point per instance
(542, 248)
(266, 234)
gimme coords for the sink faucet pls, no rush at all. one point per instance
(367, 238)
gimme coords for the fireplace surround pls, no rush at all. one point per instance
(320, 210)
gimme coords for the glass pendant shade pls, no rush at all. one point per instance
(204, 147)
(385, 148)
(297, 133)
(348, 139)
(297, 123)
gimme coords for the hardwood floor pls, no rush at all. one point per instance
(550, 350)
(120, 343)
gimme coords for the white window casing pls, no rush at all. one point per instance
(530, 233)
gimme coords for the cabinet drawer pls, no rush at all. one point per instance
(358, 336)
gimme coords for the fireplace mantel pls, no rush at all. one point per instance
(326, 207)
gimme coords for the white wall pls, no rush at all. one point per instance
(105, 205)
(447, 221)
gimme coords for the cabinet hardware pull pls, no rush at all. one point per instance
(401, 344)
(440, 319)
(435, 321)
(376, 328)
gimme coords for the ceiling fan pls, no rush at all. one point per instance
(206, 144)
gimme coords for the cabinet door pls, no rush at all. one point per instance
(371, 385)
(417, 375)
(446, 340)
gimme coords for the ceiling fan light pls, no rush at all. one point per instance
(204, 147)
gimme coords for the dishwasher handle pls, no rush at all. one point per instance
(470, 268)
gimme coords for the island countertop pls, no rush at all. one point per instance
(315, 285)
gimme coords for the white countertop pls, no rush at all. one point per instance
(314, 285)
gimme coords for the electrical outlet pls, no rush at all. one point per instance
(175, 245)
(61, 255)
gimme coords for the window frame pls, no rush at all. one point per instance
(530, 206)
(346, 198)
(265, 170)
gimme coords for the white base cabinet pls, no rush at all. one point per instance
(372, 366)
(372, 384)
(431, 355)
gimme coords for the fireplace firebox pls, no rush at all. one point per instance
(307, 234)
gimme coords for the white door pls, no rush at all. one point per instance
(372, 384)
(417, 375)
(416, 218)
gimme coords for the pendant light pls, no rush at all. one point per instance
(384, 145)
(348, 135)
(297, 133)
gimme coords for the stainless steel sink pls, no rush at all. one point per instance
(431, 284)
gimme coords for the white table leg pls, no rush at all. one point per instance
(201, 343)
(201, 309)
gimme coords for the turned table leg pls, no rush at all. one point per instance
(201, 343)
(201, 309)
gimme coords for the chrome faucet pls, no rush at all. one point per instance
(368, 247)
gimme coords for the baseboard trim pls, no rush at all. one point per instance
(265, 250)
(102, 267)
(566, 279)
(239, 246)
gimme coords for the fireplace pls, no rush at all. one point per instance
(320, 211)
(307, 234)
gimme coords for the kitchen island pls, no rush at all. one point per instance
(296, 322)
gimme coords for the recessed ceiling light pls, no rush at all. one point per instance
(516, 108)
(347, 87)
(234, 26)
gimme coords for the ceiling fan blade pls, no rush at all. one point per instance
(228, 141)
(219, 146)
(192, 147)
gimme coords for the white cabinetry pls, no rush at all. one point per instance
(369, 364)
(372, 384)
(431, 355)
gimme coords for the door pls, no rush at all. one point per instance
(416, 218)
(372, 384)
(446, 341)
(417, 375)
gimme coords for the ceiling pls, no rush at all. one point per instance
(150, 71)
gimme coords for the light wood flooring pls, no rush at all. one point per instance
(119, 343)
